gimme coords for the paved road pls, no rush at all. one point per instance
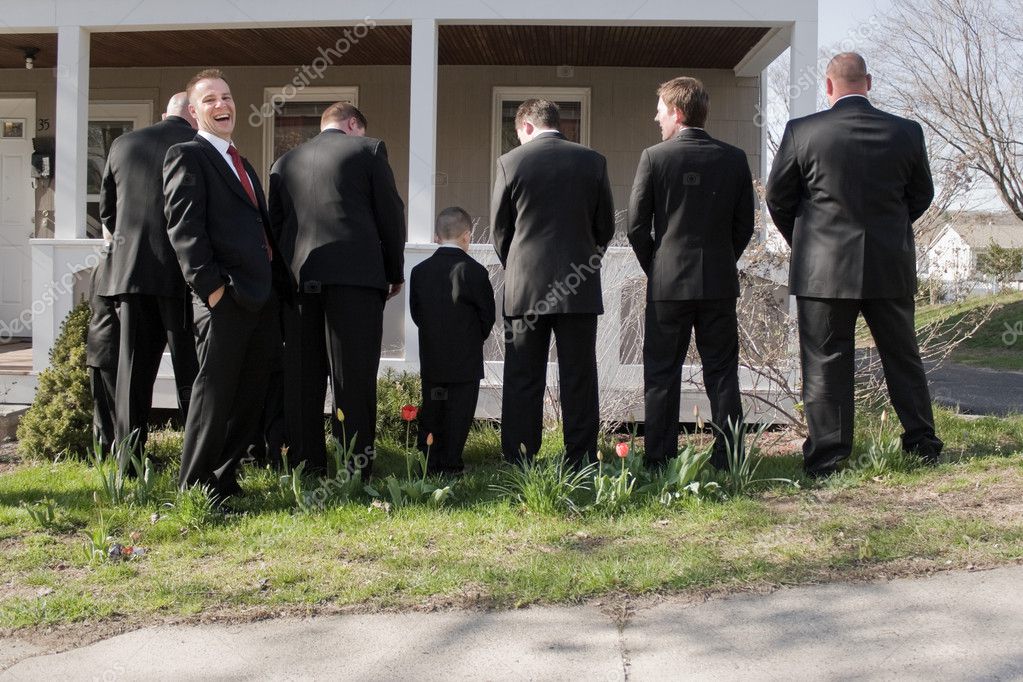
(975, 390)
(954, 626)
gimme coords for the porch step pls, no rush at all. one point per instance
(10, 415)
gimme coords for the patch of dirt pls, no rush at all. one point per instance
(9, 457)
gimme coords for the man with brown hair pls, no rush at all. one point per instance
(690, 218)
(341, 225)
(846, 186)
(552, 216)
(219, 228)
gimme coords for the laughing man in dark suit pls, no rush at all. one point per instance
(846, 186)
(552, 216)
(219, 227)
(690, 218)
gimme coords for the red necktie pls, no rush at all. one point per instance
(243, 176)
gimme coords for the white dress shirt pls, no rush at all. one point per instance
(222, 145)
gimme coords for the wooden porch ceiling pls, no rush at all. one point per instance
(709, 47)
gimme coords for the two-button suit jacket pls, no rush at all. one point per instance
(337, 213)
(552, 215)
(845, 188)
(696, 193)
(218, 235)
(131, 207)
(452, 303)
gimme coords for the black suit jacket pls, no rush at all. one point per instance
(845, 188)
(696, 193)
(216, 231)
(452, 303)
(551, 217)
(131, 208)
(104, 333)
(337, 213)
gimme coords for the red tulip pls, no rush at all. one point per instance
(622, 449)
(409, 412)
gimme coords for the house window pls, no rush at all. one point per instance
(574, 104)
(108, 121)
(290, 117)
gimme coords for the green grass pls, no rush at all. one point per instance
(265, 557)
(985, 347)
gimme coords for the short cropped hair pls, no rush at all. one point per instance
(540, 112)
(205, 74)
(452, 223)
(848, 67)
(688, 96)
(339, 112)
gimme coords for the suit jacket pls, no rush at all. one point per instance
(337, 213)
(551, 217)
(131, 208)
(103, 337)
(452, 303)
(845, 188)
(696, 193)
(216, 231)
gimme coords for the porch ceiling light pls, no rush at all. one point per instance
(30, 56)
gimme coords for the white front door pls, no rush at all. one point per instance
(17, 200)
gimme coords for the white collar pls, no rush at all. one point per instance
(449, 245)
(219, 143)
(855, 94)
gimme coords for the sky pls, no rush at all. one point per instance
(835, 20)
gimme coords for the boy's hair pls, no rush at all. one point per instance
(205, 74)
(452, 223)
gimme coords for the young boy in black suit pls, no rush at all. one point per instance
(452, 303)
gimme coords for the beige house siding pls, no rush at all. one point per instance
(622, 110)
(621, 116)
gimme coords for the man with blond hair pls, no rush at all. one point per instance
(690, 218)
(219, 227)
(846, 186)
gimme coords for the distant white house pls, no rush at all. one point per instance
(951, 257)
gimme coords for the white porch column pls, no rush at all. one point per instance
(804, 81)
(422, 166)
(71, 131)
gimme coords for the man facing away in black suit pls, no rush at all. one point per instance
(452, 303)
(551, 217)
(101, 342)
(144, 275)
(219, 228)
(341, 226)
(690, 218)
(846, 186)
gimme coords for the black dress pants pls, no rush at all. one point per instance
(101, 384)
(527, 346)
(148, 325)
(447, 413)
(827, 330)
(669, 326)
(339, 333)
(235, 346)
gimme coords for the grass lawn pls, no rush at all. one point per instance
(483, 550)
(986, 347)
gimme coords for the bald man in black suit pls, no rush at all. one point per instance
(846, 186)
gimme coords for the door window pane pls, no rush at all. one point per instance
(571, 122)
(101, 135)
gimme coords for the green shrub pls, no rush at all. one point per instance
(59, 422)
(395, 389)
